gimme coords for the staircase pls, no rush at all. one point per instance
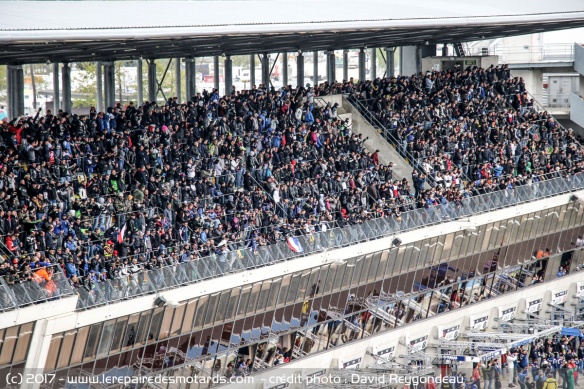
(459, 49)
(376, 141)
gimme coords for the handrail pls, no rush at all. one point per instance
(215, 266)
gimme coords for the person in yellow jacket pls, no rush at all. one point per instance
(550, 382)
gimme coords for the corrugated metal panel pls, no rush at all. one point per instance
(55, 15)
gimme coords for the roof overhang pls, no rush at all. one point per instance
(56, 31)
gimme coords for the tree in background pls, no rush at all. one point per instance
(86, 81)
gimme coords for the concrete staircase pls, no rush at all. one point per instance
(387, 152)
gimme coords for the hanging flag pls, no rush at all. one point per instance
(295, 245)
(121, 234)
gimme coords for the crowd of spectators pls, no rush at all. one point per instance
(111, 193)
(469, 131)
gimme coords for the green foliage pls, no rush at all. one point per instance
(87, 87)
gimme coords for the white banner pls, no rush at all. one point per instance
(559, 296)
(507, 314)
(534, 305)
(448, 333)
(419, 343)
(479, 322)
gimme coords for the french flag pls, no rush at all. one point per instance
(295, 245)
(121, 234)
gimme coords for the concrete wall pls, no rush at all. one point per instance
(577, 109)
(533, 81)
(409, 61)
(579, 59)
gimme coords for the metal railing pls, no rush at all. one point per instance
(149, 282)
(526, 54)
(21, 294)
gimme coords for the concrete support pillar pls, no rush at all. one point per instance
(373, 63)
(315, 67)
(216, 69)
(390, 62)
(56, 86)
(15, 84)
(109, 85)
(190, 76)
(99, 87)
(445, 50)
(427, 51)
(140, 83)
(265, 70)
(362, 65)
(228, 75)
(251, 71)
(66, 80)
(300, 70)
(152, 85)
(284, 68)
(331, 66)
(346, 65)
(411, 62)
(177, 78)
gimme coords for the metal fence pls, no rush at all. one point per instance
(149, 282)
(34, 292)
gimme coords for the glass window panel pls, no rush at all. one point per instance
(211, 309)
(415, 258)
(156, 323)
(487, 237)
(264, 293)
(459, 237)
(293, 290)
(222, 308)
(349, 272)
(10, 338)
(166, 323)
(143, 327)
(106, 338)
(242, 306)
(535, 226)
(66, 348)
(79, 345)
(339, 276)
(24, 336)
(447, 249)
(438, 253)
(53, 352)
(315, 276)
(187, 324)
(285, 285)
(398, 261)
(303, 286)
(92, 341)
(431, 250)
(232, 303)
(273, 294)
(364, 271)
(375, 267)
(495, 229)
(118, 334)
(253, 298)
(178, 319)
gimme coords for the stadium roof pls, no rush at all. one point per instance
(94, 30)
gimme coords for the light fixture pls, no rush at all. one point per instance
(299, 51)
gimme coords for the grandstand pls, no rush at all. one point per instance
(409, 224)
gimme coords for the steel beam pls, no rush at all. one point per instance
(284, 68)
(99, 87)
(315, 67)
(56, 86)
(66, 80)
(373, 63)
(251, 71)
(346, 65)
(216, 70)
(152, 85)
(177, 79)
(331, 66)
(228, 75)
(140, 83)
(362, 65)
(300, 70)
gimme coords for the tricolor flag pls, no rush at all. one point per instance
(295, 245)
(121, 234)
